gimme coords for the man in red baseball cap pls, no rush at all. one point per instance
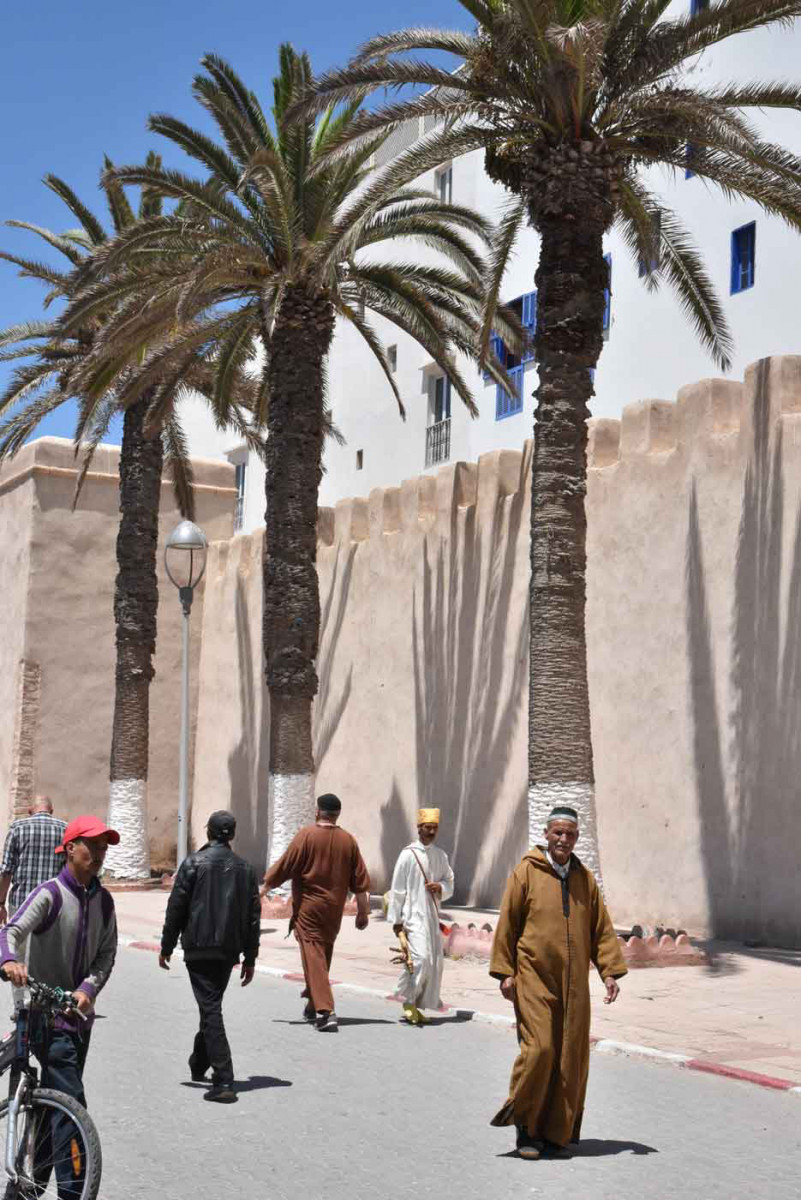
(88, 827)
(71, 928)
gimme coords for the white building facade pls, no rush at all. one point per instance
(651, 348)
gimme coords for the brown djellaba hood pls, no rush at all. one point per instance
(536, 856)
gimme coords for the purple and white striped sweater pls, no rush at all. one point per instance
(73, 934)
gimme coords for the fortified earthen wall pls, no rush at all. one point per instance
(694, 600)
(57, 571)
(694, 616)
(423, 669)
(694, 634)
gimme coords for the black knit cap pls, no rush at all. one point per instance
(329, 803)
(221, 825)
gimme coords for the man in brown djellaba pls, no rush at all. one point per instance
(553, 924)
(324, 863)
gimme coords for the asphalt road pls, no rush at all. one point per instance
(383, 1111)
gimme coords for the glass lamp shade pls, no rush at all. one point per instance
(185, 555)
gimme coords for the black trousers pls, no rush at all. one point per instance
(209, 978)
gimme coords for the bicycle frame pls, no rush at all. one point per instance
(23, 1078)
(14, 1105)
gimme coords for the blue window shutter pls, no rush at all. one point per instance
(689, 158)
(743, 258)
(518, 375)
(497, 350)
(506, 405)
(608, 296)
(751, 249)
(529, 315)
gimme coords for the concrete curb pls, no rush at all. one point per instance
(601, 1045)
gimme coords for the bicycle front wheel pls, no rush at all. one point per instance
(56, 1149)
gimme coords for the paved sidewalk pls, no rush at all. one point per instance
(739, 1013)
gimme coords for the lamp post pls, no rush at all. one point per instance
(185, 562)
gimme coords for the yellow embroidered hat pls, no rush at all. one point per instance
(428, 816)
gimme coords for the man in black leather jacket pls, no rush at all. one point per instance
(215, 909)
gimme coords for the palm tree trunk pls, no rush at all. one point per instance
(299, 345)
(571, 278)
(135, 609)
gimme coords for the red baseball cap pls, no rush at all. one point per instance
(87, 827)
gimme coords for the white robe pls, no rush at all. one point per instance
(416, 909)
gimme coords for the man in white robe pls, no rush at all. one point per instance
(422, 880)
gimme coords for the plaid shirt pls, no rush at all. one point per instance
(29, 856)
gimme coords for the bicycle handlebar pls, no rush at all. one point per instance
(45, 996)
(54, 999)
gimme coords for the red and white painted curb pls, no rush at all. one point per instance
(600, 1045)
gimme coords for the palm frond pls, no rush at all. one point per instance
(176, 457)
(446, 41)
(509, 226)
(31, 269)
(57, 241)
(98, 423)
(20, 426)
(88, 220)
(25, 331)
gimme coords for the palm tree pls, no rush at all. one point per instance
(572, 101)
(152, 437)
(278, 250)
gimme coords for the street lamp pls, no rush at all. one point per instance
(185, 562)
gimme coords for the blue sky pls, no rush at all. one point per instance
(79, 80)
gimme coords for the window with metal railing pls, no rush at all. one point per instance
(438, 433)
(438, 442)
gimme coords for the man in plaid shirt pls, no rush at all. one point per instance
(29, 857)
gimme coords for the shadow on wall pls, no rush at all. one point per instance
(468, 700)
(751, 830)
(397, 830)
(328, 711)
(248, 762)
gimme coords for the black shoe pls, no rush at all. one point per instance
(327, 1022)
(308, 1012)
(552, 1150)
(528, 1146)
(198, 1076)
(221, 1093)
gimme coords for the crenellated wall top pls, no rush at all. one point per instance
(428, 500)
(702, 411)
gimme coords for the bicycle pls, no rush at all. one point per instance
(52, 1148)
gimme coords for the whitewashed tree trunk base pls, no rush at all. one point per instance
(581, 796)
(292, 804)
(127, 813)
